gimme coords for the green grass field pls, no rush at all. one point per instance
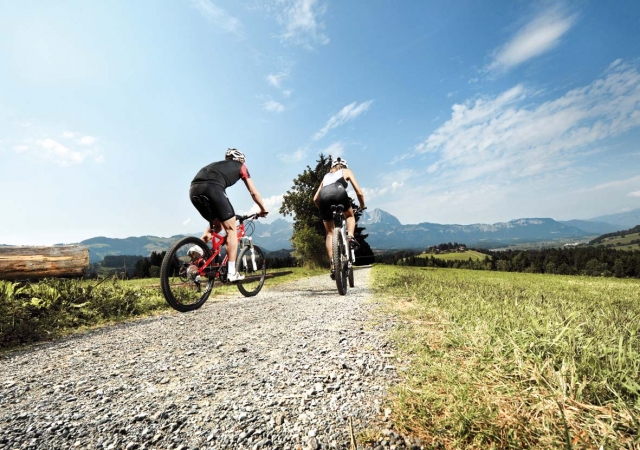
(510, 360)
(455, 256)
(622, 243)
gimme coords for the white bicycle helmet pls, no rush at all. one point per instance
(195, 252)
(235, 154)
(340, 161)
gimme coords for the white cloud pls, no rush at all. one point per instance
(21, 148)
(84, 140)
(634, 194)
(294, 157)
(61, 154)
(510, 136)
(276, 80)
(346, 114)
(87, 140)
(538, 36)
(390, 182)
(336, 149)
(272, 204)
(218, 17)
(301, 20)
(625, 184)
(186, 222)
(273, 106)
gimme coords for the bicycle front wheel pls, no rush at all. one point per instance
(340, 265)
(251, 263)
(182, 288)
(351, 280)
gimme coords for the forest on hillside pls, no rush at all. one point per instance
(137, 266)
(590, 261)
(622, 234)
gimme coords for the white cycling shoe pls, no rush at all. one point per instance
(237, 276)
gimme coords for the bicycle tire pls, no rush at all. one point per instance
(351, 280)
(183, 296)
(254, 278)
(339, 261)
(182, 273)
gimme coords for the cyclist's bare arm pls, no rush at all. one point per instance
(255, 195)
(316, 198)
(349, 176)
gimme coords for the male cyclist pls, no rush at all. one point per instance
(333, 191)
(207, 193)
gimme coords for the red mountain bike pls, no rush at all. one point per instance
(190, 268)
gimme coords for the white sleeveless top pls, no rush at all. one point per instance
(334, 177)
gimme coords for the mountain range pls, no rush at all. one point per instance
(385, 232)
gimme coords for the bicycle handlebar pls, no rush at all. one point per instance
(255, 216)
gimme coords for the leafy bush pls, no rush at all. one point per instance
(50, 308)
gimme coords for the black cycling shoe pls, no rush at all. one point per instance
(353, 243)
(333, 274)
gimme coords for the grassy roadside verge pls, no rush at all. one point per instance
(510, 360)
(52, 308)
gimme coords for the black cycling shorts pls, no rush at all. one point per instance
(332, 194)
(211, 201)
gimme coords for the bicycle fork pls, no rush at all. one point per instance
(253, 256)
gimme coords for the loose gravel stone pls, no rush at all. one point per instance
(290, 368)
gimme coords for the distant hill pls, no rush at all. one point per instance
(591, 226)
(271, 237)
(623, 220)
(386, 232)
(384, 236)
(378, 217)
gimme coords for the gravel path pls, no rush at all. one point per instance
(290, 368)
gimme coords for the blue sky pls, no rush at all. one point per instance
(448, 112)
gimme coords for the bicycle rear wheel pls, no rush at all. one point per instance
(184, 291)
(251, 263)
(340, 265)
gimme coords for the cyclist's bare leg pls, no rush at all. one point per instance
(329, 226)
(351, 221)
(232, 237)
(215, 226)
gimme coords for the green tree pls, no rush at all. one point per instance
(308, 237)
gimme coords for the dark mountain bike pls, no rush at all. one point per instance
(344, 252)
(190, 267)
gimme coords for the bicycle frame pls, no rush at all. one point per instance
(217, 241)
(340, 222)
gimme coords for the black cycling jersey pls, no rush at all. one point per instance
(224, 173)
(207, 192)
